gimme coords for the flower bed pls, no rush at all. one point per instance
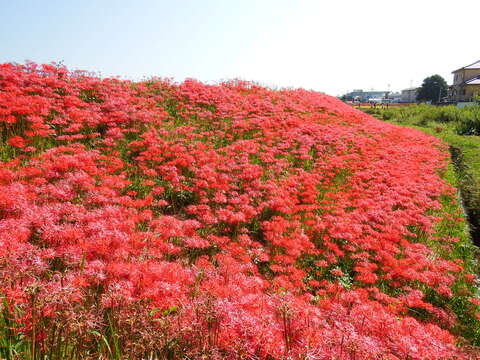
(230, 221)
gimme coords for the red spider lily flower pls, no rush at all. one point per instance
(16, 141)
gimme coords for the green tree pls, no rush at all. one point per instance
(433, 89)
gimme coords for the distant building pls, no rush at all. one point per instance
(365, 96)
(409, 95)
(395, 96)
(466, 83)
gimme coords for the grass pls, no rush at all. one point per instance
(468, 325)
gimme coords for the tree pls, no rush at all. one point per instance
(433, 89)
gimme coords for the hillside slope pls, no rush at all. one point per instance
(230, 221)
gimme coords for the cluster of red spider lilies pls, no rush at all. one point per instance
(228, 221)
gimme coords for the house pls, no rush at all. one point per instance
(466, 83)
(409, 95)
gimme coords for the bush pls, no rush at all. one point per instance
(466, 121)
(470, 122)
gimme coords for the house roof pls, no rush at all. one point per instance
(474, 81)
(475, 65)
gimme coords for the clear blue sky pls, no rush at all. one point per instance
(330, 46)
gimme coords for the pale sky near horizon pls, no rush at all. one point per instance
(329, 46)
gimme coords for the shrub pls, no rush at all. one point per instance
(470, 122)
